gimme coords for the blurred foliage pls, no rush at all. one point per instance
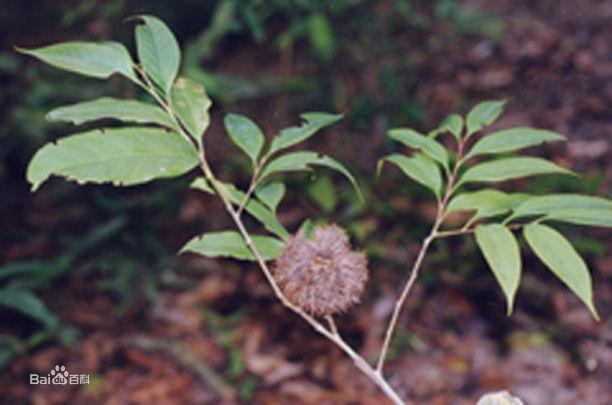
(227, 333)
(22, 280)
(336, 35)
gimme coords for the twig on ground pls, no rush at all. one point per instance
(186, 358)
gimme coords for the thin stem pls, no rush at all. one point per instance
(463, 231)
(414, 272)
(252, 185)
(454, 232)
(332, 325)
(365, 367)
(149, 87)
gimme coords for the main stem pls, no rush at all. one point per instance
(414, 272)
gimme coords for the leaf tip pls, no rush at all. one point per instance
(51, 116)
(24, 51)
(379, 166)
(593, 311)
(137, 18)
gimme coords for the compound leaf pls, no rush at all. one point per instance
(123, 156)
(558, 254)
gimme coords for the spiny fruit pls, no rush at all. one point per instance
(321, 275)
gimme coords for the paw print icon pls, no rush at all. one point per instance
(59, 375)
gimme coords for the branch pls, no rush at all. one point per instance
(414, 273)
(149, 87)
(332, 325)
(186, 358)
(464, 231)
(252, 185)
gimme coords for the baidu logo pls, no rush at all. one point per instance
(59, 376)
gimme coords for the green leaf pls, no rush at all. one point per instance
(28, 304)
(307, 228)
(245, 134)
(510, 140)
(337, 166)
(413, 139)
(321, 35)
(486, 203)
(314, 121)
(231, 244)
(592, 217)
(501, 250)
(510, 168)
(257, 210)
(270, 194)
(295, 161)
(453, 124)
(558, 254)
(298, 161)
(483, 114)
(200, 183)
(25, 268)
(123, 156)
(94, 59)
(191, 104)
(323, 193)
(572, 208)
(419, 168)
(548, 203)
(107, 107)
(158, 51)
